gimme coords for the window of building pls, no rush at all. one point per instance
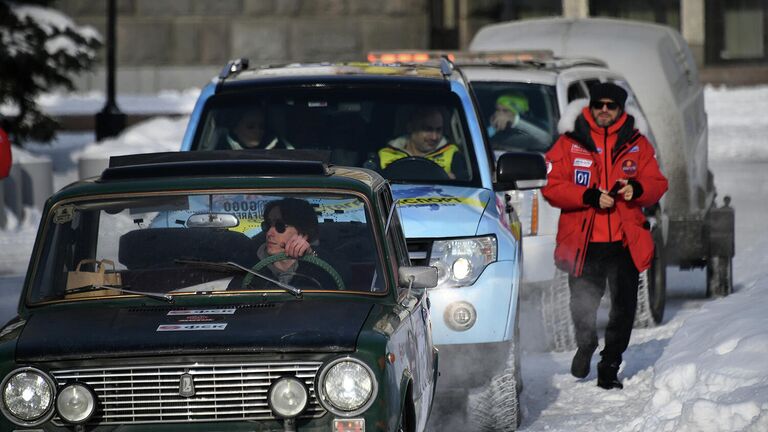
(736, 30)
(658, 11)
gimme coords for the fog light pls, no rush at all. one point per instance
(76, 403)
(460, 316)
(288, 397)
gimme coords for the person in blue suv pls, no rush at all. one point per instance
(425, 139)
(250, 132)
(601, 175)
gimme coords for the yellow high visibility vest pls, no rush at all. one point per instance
(442, 156)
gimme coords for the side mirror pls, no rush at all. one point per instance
(417, 277)
(521, 170)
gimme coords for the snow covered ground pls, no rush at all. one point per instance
(703, 370)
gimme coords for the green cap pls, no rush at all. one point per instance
(513, 101)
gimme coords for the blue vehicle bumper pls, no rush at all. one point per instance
(493, 298)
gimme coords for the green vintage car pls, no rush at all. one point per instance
(156, 300)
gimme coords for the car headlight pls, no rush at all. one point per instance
(526, 205)
(76, 403)
(460, 262)
(347, 386)
(28, 395)
(288, 397)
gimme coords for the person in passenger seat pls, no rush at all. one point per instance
(508, 129)
(601, 174)
(250, 132)
(425, 139)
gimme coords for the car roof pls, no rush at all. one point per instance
(238, 74)
(536, 66)
(228, 169)
(603, 31)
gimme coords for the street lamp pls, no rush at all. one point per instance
(110, 121)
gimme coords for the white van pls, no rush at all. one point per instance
(659, 66)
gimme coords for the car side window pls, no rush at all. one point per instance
(576, 91)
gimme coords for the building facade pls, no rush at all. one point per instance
(177, 44)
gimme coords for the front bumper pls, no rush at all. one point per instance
(493, 297)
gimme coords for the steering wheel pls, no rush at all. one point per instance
(414, 168)
(306, 258)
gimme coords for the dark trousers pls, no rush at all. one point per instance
(611, 263)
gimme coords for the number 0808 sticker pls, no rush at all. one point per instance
(581, 177)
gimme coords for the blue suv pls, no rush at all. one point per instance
(453, 200)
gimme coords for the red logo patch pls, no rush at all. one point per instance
(629, 167)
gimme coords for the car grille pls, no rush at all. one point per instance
(223, 392)
(418, 251)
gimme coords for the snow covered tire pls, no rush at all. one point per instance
(556, 314)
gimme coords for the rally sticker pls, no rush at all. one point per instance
(634, 149)
(190, 327)
(575, 148)
(202, 312)
(629, 167)
(581, 177)
(586, 163)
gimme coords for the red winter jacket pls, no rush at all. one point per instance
(5, 155)
(577, 161)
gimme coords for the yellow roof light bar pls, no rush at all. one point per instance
(460, 57)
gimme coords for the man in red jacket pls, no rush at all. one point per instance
(601, 175)
(5, 154)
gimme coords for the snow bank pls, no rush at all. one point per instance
(713, 375)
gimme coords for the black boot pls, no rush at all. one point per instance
(581, 361)
(607, 376)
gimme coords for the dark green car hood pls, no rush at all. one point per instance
(315, 325)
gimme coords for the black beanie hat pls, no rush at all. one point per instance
(608, 91)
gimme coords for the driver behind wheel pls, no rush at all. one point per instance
(290, 226)
(424, 138)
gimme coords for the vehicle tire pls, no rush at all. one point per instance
(556, 314)
(719, 276)
(406, 421)
(652, 289)
(497, 407)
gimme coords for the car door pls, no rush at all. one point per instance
(420, 347)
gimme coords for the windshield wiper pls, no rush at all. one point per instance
(89, 288)
(232, 266)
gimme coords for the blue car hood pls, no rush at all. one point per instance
(440, 211)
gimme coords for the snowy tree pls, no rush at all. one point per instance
(41, 50)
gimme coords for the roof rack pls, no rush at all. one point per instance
(215, 163)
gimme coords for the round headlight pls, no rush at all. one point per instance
(27, 396)
(288, 397)
(76, 403)
(348, 386)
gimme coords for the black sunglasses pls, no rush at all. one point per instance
(599, 105)
(278, 224)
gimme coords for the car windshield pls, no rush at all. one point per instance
(179, 244)
(413, 137)
(518, 116)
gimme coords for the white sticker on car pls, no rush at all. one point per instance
(229, 311)
(191, 327)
